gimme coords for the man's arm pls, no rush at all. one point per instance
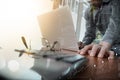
(113, 30)
(90, 33)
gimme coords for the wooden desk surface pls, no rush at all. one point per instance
(100, 69)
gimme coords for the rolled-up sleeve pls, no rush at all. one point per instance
(90, 33)
(113, 29)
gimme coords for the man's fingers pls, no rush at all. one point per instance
(79, 51)
(89, 51)
(102, 52)
(95, 49)
(86, 48)
(111, 55)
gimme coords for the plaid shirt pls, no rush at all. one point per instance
(105, 19)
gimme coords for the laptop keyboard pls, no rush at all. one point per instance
(57, 55)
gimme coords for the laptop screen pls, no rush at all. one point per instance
(57, 25)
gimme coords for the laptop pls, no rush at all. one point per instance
(57, 25)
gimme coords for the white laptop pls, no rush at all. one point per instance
(57, 25)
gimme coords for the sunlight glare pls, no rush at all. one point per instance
(13, 65)
(19, 18)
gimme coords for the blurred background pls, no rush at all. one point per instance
(19, 18)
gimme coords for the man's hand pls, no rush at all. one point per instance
(100, 50)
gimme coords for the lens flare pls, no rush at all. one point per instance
(13, 65)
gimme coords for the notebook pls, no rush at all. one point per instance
(57, 25)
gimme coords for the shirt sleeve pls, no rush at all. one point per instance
(90, 32)
(113, 29)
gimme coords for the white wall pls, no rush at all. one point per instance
(19, 18)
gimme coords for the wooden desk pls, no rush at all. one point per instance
(100, 69)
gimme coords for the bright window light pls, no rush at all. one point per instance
(2, 62)
(19, 18)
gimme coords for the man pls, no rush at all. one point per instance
(102, 15)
